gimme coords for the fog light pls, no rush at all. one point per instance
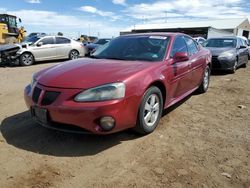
(107, 123)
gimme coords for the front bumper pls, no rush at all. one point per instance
(67, 115)
(222, 63)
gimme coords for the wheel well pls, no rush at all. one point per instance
(162, 87)
(74, 50)
(210, 66)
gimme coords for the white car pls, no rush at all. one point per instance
(200, 40)
(50, 48)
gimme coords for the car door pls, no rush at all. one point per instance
(197, 62)
(63, 47)
(181, 70)
(242, 52)
(44, 49)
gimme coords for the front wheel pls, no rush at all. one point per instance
(205, 82)
(74, 54)
(233, 70)
(26, 59)
(150, 111)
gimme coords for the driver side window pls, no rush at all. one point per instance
(47, 40)
(179, 46)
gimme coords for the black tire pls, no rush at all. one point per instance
(234, 68)
(26, 59)
(205, 81)
(245, 65)
(73, 54)
(142, 126)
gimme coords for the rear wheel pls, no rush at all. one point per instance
(245, 64)
(205, 82)
(26, 59)
(150, 111)
(74, 54)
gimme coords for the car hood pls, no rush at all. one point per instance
(87, 73)
(8, 47)
(218, 51)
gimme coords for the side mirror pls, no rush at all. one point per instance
(19, 19)
(39, 44)
(180, 57)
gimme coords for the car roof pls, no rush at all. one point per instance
(226, 37)
(155, 34)
(46, 36)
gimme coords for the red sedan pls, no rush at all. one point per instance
(125, 84)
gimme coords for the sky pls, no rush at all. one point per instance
(106, 18)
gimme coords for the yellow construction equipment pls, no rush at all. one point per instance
(9, 32)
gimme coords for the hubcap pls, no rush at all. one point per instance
(74, 55)
(206, 79)
(151, 110)
(27, 59)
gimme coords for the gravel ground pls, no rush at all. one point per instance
(204, 141)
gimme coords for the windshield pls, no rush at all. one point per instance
(31, 40)
(220, 43)
(147, 48)
(12, 22)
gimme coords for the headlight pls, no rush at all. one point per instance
(102, 93)
(228, 55)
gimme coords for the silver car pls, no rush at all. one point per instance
(50, 48)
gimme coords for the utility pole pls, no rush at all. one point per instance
(89, 29)
(166, 15)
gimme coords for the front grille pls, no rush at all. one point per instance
(49, 97)
(215, 62)
(36, 93)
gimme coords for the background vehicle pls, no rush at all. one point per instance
(200, 40)
(246, 42)
(50, 48)
(38, 34)
(9, 32)
(136, 77)
(228, 53)
(92, 46)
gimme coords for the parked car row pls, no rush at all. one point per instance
(228, 53)
(127, 83)
(40, 47)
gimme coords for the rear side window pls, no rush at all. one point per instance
(179, 46)
(192, 47)
(47, 40)
(62, 40)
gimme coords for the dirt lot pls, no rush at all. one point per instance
(196, 142)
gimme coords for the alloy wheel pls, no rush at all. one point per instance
(27, 59)
(151, 110)
(206, 79)
(74, 54)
